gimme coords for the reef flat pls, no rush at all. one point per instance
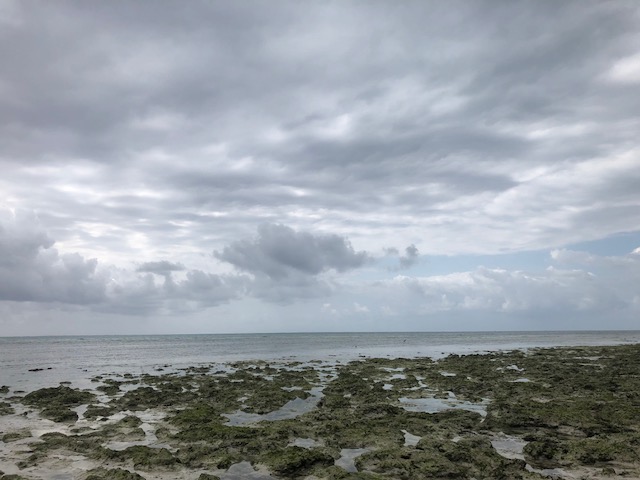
(542, 413)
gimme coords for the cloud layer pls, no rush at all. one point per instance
(298, 141)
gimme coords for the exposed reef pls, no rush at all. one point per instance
(560, 412)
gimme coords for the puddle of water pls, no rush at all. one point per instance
(410, 440)
(80, 410)
(348, 457)
(435, 405)
(305, 443)
(509, 446)
(550, 472)
(398, 376)
(420, 386)
(292, 409)
(149, 419)
(244, 470)
(387, 386)
(520, 380)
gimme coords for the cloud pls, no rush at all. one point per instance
(144, 295)
(31, 270)
(280, 252)
(162, 267)
(289, 265)
(410, 258)
(182, 129)
(228, 112)
(285, 266)
(594, 286)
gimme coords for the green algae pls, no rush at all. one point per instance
(16, 435)
(142, 457)
(55, 403)
(61, 395)
(112, 474)
(6, 409)
(578, 409)
(96, 411)
(296, 461)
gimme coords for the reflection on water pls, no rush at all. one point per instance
(348, 457)
(410, 440)
(243, 471)
(509, 446)
(292, 409)
(435, 405)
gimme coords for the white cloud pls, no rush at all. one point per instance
(626, 70)
(608, 289)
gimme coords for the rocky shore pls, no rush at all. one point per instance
(543, 413)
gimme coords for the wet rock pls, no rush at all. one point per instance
(143, 457)
(14, 436)
(96, 411)
(112, 474)
(296, 461)
(58, 398)
(6, 408)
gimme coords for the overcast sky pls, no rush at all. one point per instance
(263, 166)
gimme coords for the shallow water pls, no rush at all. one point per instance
(305, 443)
(509, 446)
(435, 405)
(244, 471)
(77, 359)
(410, 440)
(348, 458)
(292, 409)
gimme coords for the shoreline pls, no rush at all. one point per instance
(79, 358)
(559, 411)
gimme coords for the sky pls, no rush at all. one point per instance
(285, 166)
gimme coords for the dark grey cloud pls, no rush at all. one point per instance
(31, 270)
(138, 116)
(279, 252)
(411, 257)
(162, 267)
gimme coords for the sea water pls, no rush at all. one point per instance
(33, 362)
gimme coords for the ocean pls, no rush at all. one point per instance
(35, 362)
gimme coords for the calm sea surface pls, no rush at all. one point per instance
(77, 358)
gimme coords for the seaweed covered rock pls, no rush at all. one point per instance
(14, 436)
(296, 461)
(112, 474)
(143, 457)
(61, 395)
(471, 457)
(6, 409)
(55, 402)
